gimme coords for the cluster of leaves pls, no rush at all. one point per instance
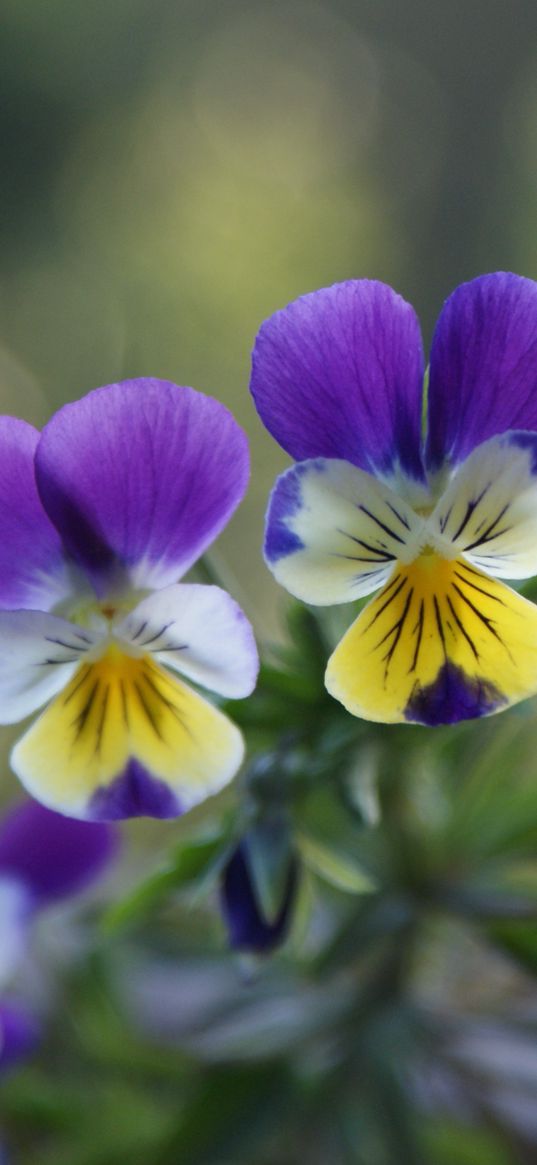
(379, 1032)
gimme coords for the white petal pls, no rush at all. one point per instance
(334, 532)
(38, 655)
(489, 510)
(199, 631)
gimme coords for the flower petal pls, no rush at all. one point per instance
(50, 855)
(19, 1034)
(199, 631)
(16, 911)
(483, 374)
(339, 373)
(489, 510)
(33, 570)
(334, 532)
(441, 643)
(126, 739)
(139, 478)
(38, 655)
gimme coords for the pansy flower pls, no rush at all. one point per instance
(44, 859)
(427, 497)
(100, 515)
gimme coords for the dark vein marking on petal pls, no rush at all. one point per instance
(392, 583)
(381, 556)
(173, 647)
(357, 558)
(62, 643)
(462, 628)
(488, 623)
(158, 634)
(140, 630)
(85, 675)
(387, 602)
(468, 583)
(80, 721)
(153, 722)
(470, 510)
(387, 529)
(444, 521)
(396, 514)
(440, 625)
(66, 659)
(124, 704)
(398, 629)
(490, 532)
(100, 726)
(417, 630)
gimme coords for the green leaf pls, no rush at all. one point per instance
(268, 852)
(335, 867)
(192, 867)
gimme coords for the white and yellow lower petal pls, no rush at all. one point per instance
(199, 631)
(38, 655)
(488, 513)
(442, 642)
(334, 532)
(125, 739)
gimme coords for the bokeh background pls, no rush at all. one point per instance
(172, 172)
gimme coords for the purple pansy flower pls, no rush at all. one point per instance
(430, 515)
(100, 515)
(44, 857)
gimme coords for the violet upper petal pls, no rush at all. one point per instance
(139, 477)
(33, 571)
(339, 374)
(483, 373)
(52, 855)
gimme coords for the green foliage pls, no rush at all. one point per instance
(418, 871)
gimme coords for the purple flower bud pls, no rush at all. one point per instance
(248, 928)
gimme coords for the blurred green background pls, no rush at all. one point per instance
(172, 172)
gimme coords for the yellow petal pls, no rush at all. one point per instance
(442, 642)
(125, 738)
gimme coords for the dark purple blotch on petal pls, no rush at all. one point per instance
(453, 696)
(54, 856)
(20, 1033)
(285, 502)
(247, 927)
(135, 793)
(528, 442)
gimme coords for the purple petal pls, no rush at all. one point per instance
(248, 929)
(339, 373)
(19, 1034)
(136, 793)
(54, 856)
(139, 478)
(453, 696)
(483, 374)
(33, 572)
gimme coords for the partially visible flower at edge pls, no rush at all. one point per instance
(100, 515)
(431, 523)
(248, 927)
(44, 858)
